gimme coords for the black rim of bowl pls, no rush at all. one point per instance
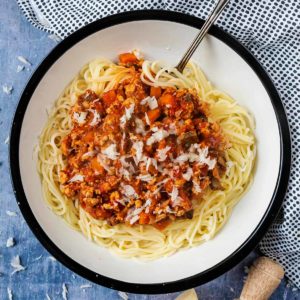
(253, 239)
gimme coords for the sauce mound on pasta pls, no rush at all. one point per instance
(139, 154)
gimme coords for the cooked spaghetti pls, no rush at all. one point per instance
(145, 160)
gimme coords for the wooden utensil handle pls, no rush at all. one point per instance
(264, 277)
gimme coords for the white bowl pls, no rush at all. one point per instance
(231, 68)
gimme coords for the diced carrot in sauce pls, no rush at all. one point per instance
(109, 97)
(144, 218)
(155, 92)
(162, 224)
(167, 99)
(205, 183)
(153, 114)
(88, 137)
(126, 58)
(215, 173)
(96, 165)
(65, 144)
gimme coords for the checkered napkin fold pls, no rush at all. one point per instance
(269, 29)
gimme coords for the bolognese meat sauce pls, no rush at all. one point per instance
(139, 154)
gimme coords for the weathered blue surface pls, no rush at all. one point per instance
(18, 37)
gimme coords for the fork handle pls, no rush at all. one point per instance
(204, 29)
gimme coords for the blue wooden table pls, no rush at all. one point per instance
(43, 275)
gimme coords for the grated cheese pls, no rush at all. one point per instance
(85, 286)
(124, 173)
(96, 118)
(138, 147)
(7, 89)
(9, 294)
(16, 264)
(77, 177)
(144, 101)
(169, 210)
(123, 295)
(123, 120)
(10, 242)
(158, 212)
(148, 202)
(88, 154)
(189, 173)
(38, 258)
(102, 162)
(140, 127)
(134, 219)
(127, 115)
(147, 119)
(125, 164)
(148, 164)
(154, 163)
(162, 153)
(191, 157)
(137, 211)
(150, 101)
(176, 200)
(52, 258)
(133, 215)
(157, 136)
(174, 194)
(129, 191)
(129, 111)
(80, 117)
(197, 188)
(121, 201)
(172, 128)
(20, 68)
(64, 292)
(11, 213)
(23, 60)
(200, 157)
(203, 156)
(146, 177)
(111, 152)
(211, 163)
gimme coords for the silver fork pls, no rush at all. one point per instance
(208, 23)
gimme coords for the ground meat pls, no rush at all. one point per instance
(141, 154)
